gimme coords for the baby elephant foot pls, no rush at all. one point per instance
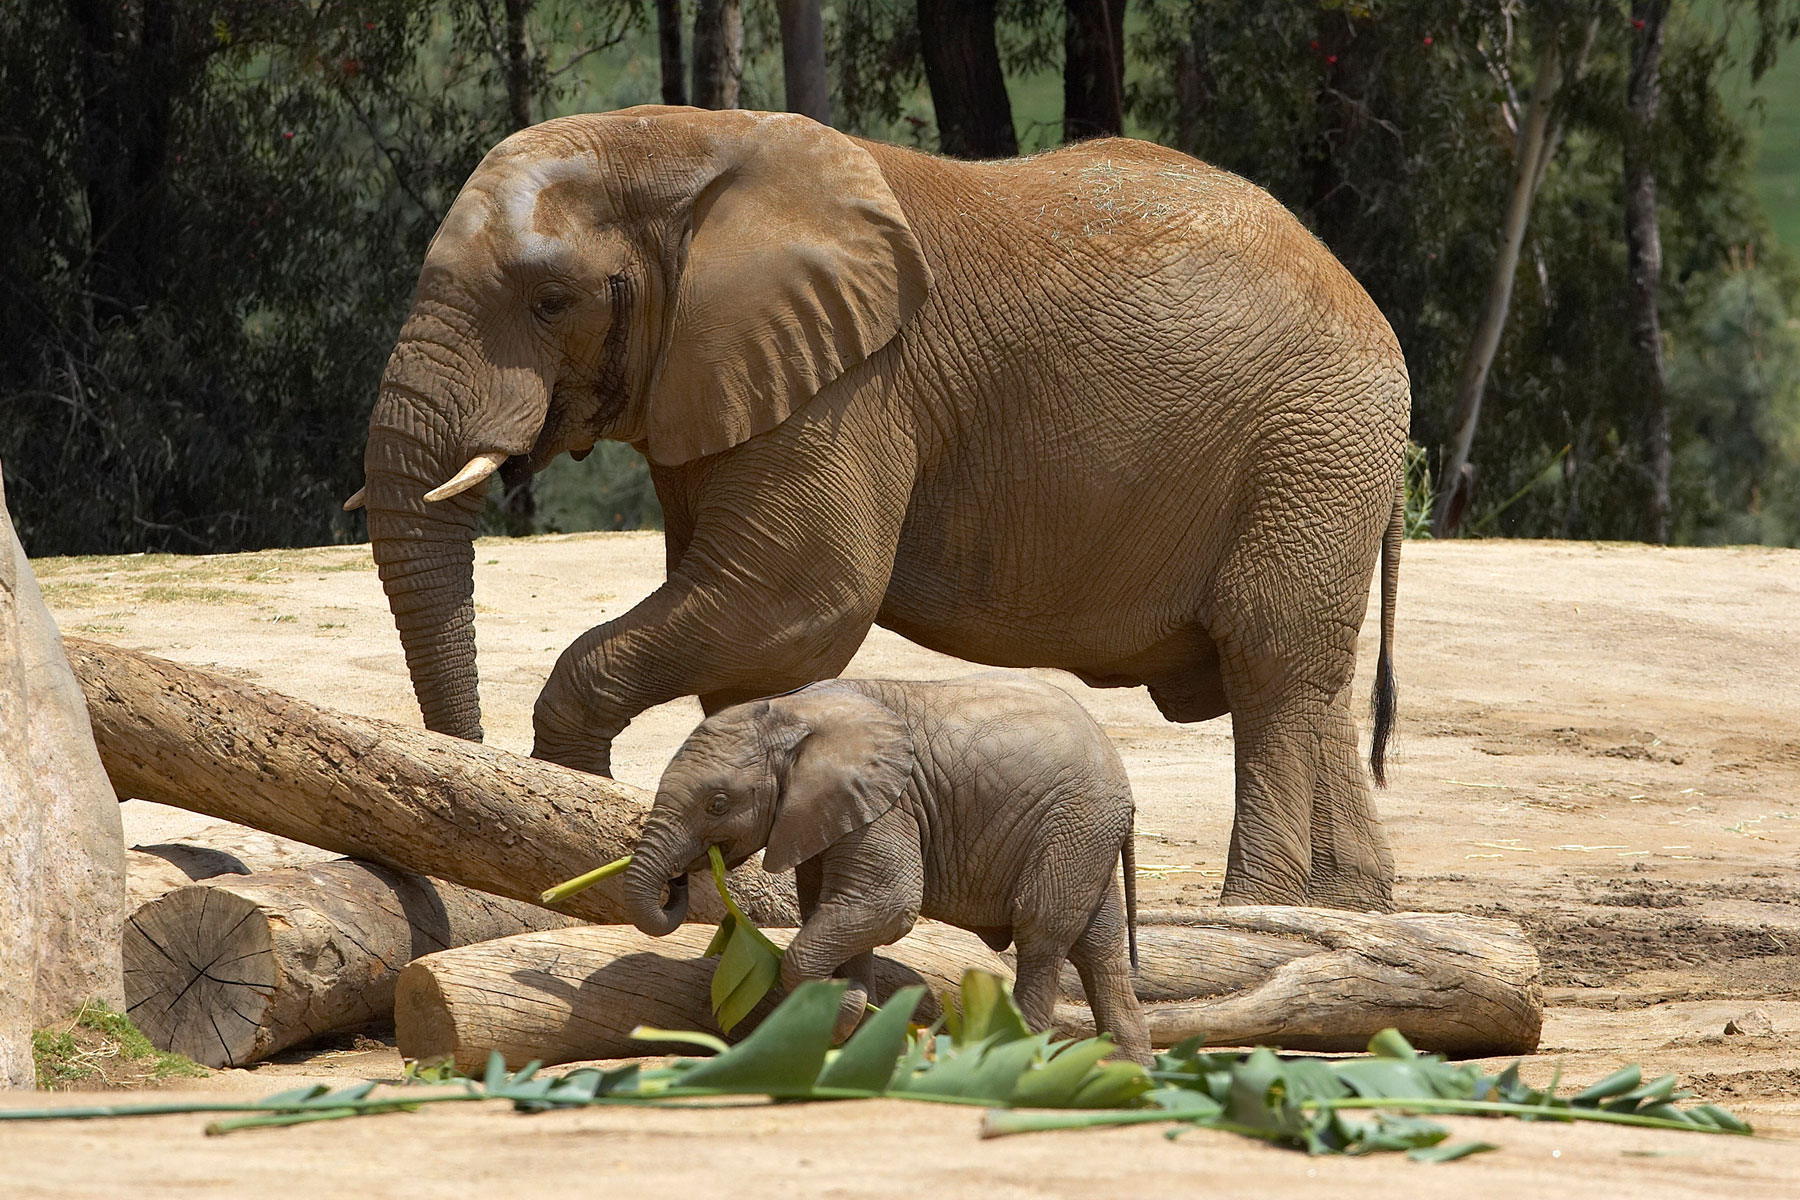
(850, 1012)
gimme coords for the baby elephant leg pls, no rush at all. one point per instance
(838, 939)
(1100, 955)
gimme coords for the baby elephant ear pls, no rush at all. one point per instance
(850, 758)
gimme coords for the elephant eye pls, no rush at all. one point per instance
(718, 804)
(552, 304)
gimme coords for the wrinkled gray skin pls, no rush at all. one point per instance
(991, 803)
(1106, 409)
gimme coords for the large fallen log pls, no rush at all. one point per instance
(1323, 980)
(372, 790)
(234, 970)
(578, 993)
(1306, 979)
(151, 871)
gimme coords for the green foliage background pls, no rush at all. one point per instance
(216, 209)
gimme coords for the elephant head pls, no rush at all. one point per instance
(789, 775)
(677, 279)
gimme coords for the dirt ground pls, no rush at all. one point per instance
(1599, 741)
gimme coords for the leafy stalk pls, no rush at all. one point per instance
(992, 1058)
(582, 883)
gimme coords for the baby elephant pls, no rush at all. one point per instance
(993, 802)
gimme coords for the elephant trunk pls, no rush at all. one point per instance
(444, 421)
(425, 553)
(661, 858)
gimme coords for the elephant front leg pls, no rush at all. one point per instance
(786, 565)
(839, 940)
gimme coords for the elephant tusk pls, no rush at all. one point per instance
(355, 502)
(478, 469)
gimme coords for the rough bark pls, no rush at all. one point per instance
(233, 971)
(805, 87)
(402, 798)
(968, 88)
(718, 53)
(578, 993)
(1093, 69)
(668, 44)
(151, 871)
(1539, 134)
(1323, 980)
(1643, 252)
(518, 497)
(62, 870)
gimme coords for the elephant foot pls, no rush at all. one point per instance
(1353, 891)
(850, 1013)
(595, 760)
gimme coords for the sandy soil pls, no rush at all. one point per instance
(1599, 741)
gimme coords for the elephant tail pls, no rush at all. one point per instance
(1128, 860)
(1381, 703)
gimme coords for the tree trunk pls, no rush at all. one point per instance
(402, 798)
(1193, 89)
(718, 53)
(131, 73)
(1093, 69)
(1322, 980)
(233, 971)
(518, 498)
(668, 45)
(517, 64)
(1643, 252)
(62, 866)
(217, 850)
(968, 88)
(1537, 142)
(803, 59)
(578, 993)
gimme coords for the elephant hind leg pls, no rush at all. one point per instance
(1100, 958)
(1352, 866)
(1286, 615)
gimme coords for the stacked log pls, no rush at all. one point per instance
(231, 971)
(402, 798)
(1322, 980)
(152, 871)
(577, 994)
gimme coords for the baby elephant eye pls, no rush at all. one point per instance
(718, 804)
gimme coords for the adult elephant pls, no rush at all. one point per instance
(1107, 409)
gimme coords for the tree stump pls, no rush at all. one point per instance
(405, 798)
(232, 971)
(578, 993)
(1322, 980)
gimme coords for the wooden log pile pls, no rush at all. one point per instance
(233, 970)
(402, 798)
(484, 824)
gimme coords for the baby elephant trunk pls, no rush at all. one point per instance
(651, 868)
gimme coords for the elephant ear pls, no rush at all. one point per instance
(799, 265)
(850, 759)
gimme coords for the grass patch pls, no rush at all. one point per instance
(102, 1049)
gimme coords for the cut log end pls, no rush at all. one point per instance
(201, 975)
